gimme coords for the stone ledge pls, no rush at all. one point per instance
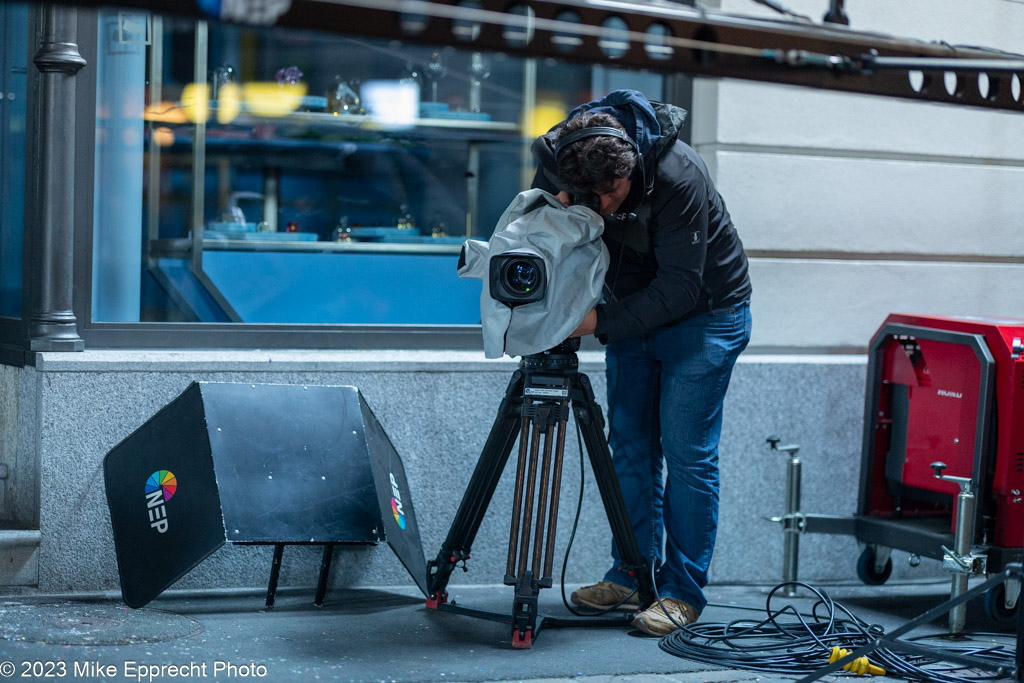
(148, 360)
(19, 557)
(287, 360)
(19, 538)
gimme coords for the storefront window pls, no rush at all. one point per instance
(13, 91)
(270, 176)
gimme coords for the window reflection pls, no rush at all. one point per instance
(13, 89)
(296, 177)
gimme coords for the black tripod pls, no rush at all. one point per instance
(536, 406)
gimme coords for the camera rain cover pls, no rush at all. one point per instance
(568, 240)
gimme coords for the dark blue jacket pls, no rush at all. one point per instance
(674, 251)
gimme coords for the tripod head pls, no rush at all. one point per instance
(561, 357)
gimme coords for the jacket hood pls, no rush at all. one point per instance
(633, 110)
(654, 127)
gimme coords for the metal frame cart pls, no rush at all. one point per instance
(942, 465)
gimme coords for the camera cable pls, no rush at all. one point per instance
(803, 645)
(572, 536)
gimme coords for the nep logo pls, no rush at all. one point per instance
(396, 503)
(160, 488)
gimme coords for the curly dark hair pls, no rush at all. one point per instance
(594, 163)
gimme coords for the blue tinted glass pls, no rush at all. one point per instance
(117, 208)
(281, 176)
(13, 79)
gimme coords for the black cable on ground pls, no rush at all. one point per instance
(788, 642)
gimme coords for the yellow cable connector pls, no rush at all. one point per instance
(859, 666)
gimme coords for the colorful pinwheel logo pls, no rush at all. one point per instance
(162, 481)
(396, 510)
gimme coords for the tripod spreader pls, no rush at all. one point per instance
(536, 410)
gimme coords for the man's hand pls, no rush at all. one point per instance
(563, 197)
(586, 327)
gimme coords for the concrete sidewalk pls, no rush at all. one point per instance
(385, 635)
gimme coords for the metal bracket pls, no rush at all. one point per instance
(963, 564)
(773, 441)
(808, 523)
(1011, 593)
(963, 482)
(795, 523)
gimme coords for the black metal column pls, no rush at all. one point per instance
(52, 325)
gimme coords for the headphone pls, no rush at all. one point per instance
(594, 131)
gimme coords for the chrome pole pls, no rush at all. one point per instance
(791, 530)
(965, 502)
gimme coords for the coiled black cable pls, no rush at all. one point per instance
(801, 644)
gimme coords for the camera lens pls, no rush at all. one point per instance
(521, 276)
(517, 278)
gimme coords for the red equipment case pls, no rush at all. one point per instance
(948, 389)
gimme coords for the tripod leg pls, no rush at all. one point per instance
(556, 488)
(531, 481)
(543, 415)
(539, 537)
(524, 612)
(517, 503)
(524, 605)
(479, 492)
(591, 421)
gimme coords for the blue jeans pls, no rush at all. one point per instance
(665, 394)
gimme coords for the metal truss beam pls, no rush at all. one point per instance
(672, 38)
(669, 37)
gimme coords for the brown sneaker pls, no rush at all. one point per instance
(654, 621)
(606, 595)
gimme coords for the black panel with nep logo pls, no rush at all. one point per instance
(254, 464)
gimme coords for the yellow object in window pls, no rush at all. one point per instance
(195, 102)
(163, 136)
(229, 102)
(545, 115)
(272, 99)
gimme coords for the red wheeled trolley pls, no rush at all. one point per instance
(942, 466)
(944, 391)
